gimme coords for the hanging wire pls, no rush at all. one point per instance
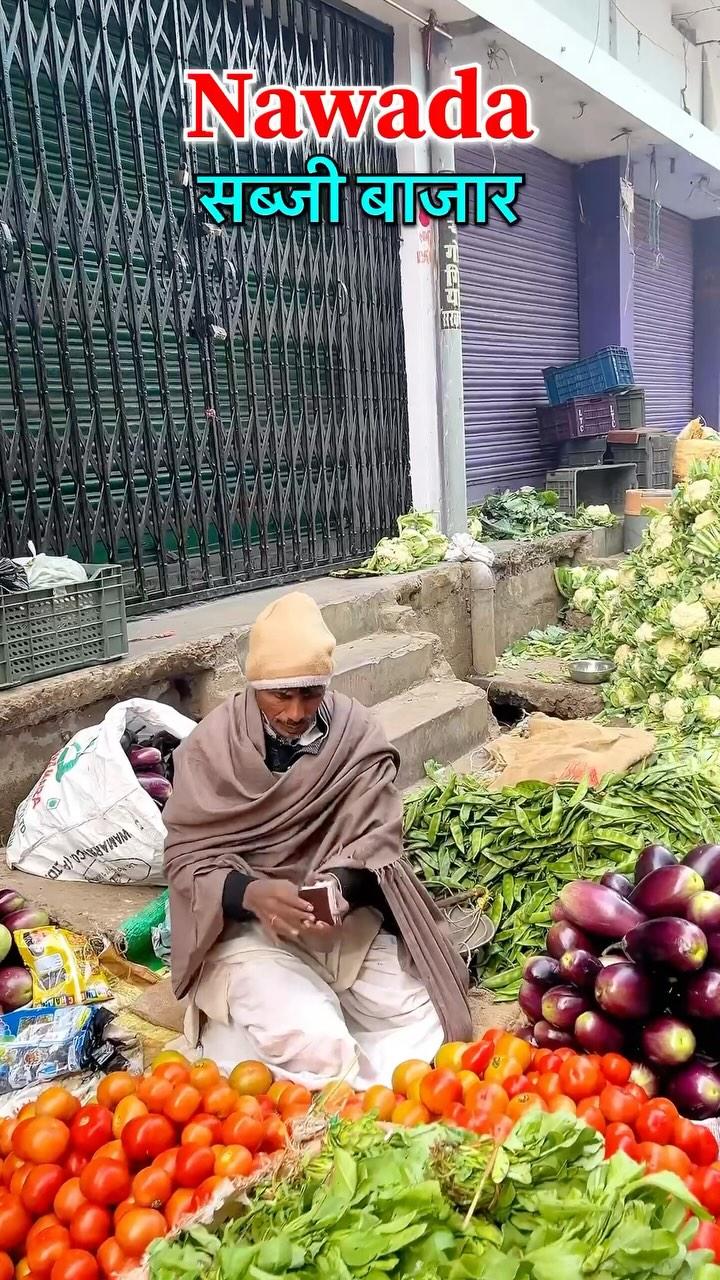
(655, 207)
(627, 215)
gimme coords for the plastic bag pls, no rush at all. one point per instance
(464, 547)
(38, 1046)
(63, 966)
(160, 934)
(12, 575)
(50, 571)
(697, 442)
(88, 818)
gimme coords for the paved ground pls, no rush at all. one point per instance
(86, 908)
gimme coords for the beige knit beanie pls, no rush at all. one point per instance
(290, 646)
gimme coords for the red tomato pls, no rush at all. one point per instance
(75, 1163)
(620, 1137)
(708, 1237)
(637, 1091)
(458, 1114)
(91, 1225)
(184, 1103)
(696, 1140)
(276, 1134)
(656, 1121)
(58, 1102)
(152, 1187)
(91, 1128)
(7, 1267)
(477, 1056)
(617, 1105)
(651, 1155)
(580, 1077)
(167, 1161)
(138, 1228)
(15, 1222)
(561, 1103)
(179, 1206)
(523, 1102)
(41, 1186)
(548, 1085)
(439, 1089)
(709, 1189)
(615, 1068)
(515, 1085)
(147, 1137)
(77, 1264)
(44, 1249)
(42, 1139)
(194, 1165)
(68, 1200)
(676, 1161)
(550, 1061)
(501, 1129)
(111, 1258)
(233, 1162)
(244, 1130)
(105, 1182)
(40, 1224)
(592, 1115)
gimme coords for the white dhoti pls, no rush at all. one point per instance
(313, 1018)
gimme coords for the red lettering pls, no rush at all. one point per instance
(277, 103)
(209, 97)
(464, 121)
(509, 116)
(344, 111)
(407, 115)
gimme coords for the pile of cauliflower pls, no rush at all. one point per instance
(659, 620)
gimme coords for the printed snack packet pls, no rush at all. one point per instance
(64, 968)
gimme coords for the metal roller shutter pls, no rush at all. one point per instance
(519, 313)
(663, 317)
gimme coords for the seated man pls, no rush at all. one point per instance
(284, 785)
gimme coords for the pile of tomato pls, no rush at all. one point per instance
(86, 1189)
(486, 1086)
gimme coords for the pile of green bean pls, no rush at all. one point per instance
(524, 842)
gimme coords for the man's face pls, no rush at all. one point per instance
(290, 712)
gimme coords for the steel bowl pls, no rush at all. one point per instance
(591, 670)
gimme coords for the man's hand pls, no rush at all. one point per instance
(320, 936)
(278, 906)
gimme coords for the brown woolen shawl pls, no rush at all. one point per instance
(339, 808)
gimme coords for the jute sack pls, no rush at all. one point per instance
(697, 442)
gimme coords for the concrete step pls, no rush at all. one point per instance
(437, 720)
(380, 666)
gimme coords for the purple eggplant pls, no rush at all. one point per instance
(26, 918)
(10, 900)
(549, 1037)
(580, 968)
(528, 1034)
(597, 1033)
(704, 910)
(145, 759)
(695, 1090)
(705, 859)
(668, 943)
(562, 1006)
(556, 913)
(16, 987)
(530, 998)
(624, 991)
(643, 1075)
(701, 998)
(564, 936)
(155, 785)
(544, 971)
(620, 883)
(598, 909)
(652, 857)
(667, 1042)
(667, 891)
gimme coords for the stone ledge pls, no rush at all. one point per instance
(541, 684)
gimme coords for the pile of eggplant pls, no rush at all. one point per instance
(16, 987)
(151, 758)
(633, 967)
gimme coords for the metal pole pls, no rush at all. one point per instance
(451, 415)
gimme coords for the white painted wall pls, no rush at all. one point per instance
(417, 259)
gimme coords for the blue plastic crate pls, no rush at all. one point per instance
(608, 370)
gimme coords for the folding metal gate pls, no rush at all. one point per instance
(214, 410)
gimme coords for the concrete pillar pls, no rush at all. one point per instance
(706, 379)
(605, 259)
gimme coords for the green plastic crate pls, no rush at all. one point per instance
(630, 409)
(56, 629)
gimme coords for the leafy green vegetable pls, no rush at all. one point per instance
(440, 1204)
(419, 545)
(528, 513)
(523, 843)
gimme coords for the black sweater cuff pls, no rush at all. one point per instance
(236, 882)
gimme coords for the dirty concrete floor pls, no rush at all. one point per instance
(542, 684)
(79, 905)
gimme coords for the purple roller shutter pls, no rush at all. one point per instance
(519, 292)
(663, 318)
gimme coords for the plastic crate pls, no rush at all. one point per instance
(608, 370)
(584, 416)
(651, 451)
(631, 409)
(588, 451)
(592, 486)
(57, 629)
